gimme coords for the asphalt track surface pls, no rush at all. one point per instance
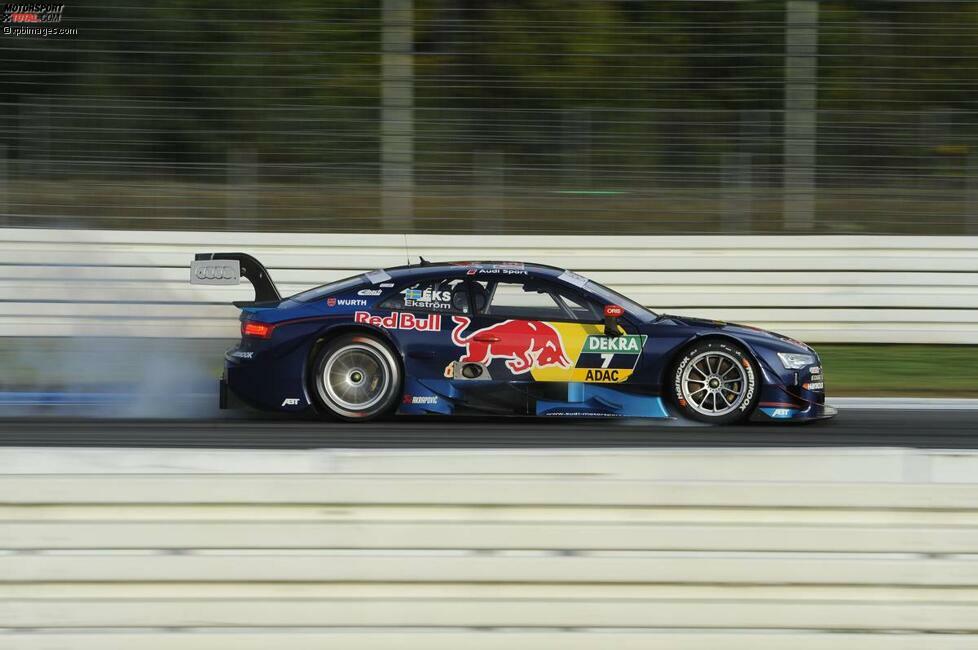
(944, 429)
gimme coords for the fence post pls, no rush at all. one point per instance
(971, 194)
(737, 189)
(577, 127)
(4, 187)
(397, 116)
(800, 103)
(242, 178)
(490, 179)
(26, 139)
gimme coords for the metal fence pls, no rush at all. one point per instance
(456, 116)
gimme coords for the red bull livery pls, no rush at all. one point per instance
(499, 338)
(524, 343)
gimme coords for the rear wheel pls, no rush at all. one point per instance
(715, 381)
(357, 377)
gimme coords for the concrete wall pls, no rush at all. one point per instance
(818, 289)
(670, 549)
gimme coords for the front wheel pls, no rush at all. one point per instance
(357, 377)
(716, 382)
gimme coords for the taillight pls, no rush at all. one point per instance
(257, 330)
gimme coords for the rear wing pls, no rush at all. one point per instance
(228, 268)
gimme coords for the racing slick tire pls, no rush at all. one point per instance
(715, 381)
(357, 378)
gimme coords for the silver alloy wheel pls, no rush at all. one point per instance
(355, 378)
(714, 383)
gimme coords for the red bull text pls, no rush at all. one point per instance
(400, 321)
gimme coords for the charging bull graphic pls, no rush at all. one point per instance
(525, 344)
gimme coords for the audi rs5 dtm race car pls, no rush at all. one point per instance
(499, 338)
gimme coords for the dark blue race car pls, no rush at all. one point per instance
(500, 338)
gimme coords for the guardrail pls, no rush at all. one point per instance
(667, 549)
(818, 289)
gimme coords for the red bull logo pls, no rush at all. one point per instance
(400, 321)
(525, 344)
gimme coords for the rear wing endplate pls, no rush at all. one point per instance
(227, 268)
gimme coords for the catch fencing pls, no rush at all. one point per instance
(653, 549)
(656, 117)
(817, 288)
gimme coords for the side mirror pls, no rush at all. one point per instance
(611, 315)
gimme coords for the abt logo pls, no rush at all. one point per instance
(291, 401)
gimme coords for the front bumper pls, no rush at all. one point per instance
(783, 412)
(790, 395)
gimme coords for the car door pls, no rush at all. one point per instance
(513, 332)
(543, 339)
(421, 313)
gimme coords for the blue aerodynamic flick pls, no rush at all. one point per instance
(500, 338)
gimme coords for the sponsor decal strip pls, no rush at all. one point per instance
(345, 302)
(625, 344)
(427, 298)
(400, 321)
(607, 359)
(601, 375)
(420, 399)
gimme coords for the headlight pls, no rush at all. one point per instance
(793, 361)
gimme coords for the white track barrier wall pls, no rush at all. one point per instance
(818, 289)
(440, 550)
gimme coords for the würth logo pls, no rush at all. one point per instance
(32, 13)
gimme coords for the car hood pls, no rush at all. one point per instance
(734, 329)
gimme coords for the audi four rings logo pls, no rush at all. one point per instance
(215, 272)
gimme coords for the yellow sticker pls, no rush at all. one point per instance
(572, 337)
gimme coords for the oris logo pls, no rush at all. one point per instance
(215, 272)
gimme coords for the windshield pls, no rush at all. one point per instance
(612, 296)
(328, 288)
